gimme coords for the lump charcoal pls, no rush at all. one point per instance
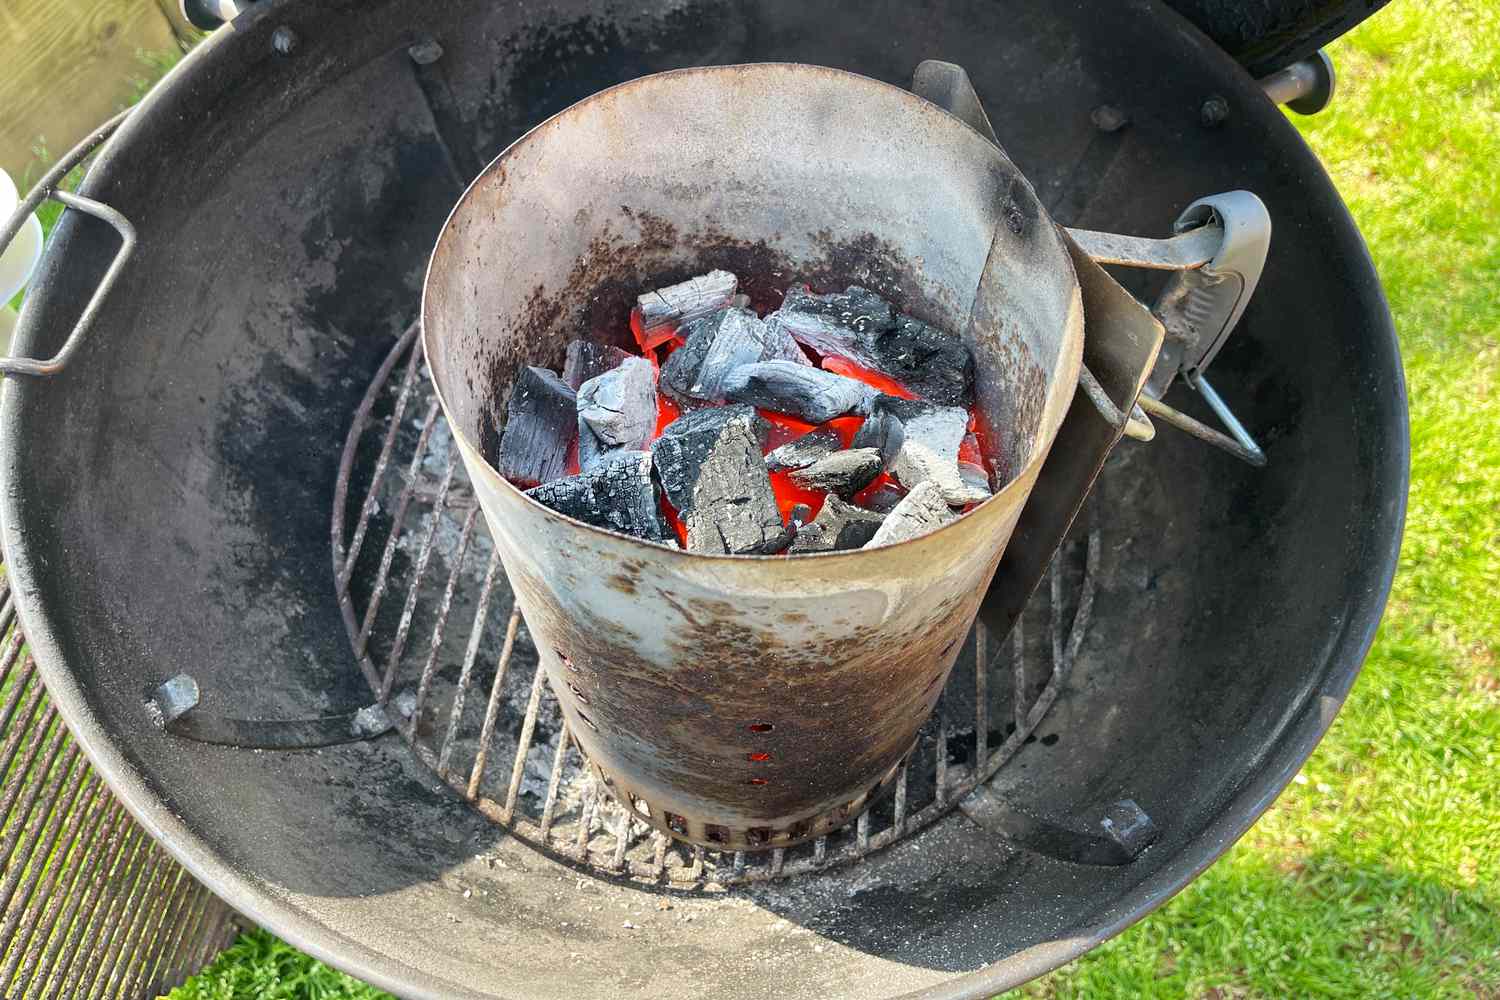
(686, 301)
(820, 442)
(733, 509)
(832, 324)
(838, 526)
(617, 410)
(718, 344)
(616, 493)
(539, 427)
(686, 442)
(881, 431)
(587, 359)
(923, 510)
(802, 391)
(859, 325)
(884, 498)
(844, 473)
(932, 363)
(974, 476)
(930, 438)
(796, 521)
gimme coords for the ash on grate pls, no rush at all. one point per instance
(739, 422)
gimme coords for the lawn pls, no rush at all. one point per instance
(1378, 872)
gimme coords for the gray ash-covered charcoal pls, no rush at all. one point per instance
(844, 472)
(975, 476)
(617, 492)
(733, 509)
(922, 510)
(930, 438)
(539, 426)
(802, 391)
(718, 344)
(859, 325)
(820, 442)
(617, 410)
(686, 301)
(839, 526)
(686, 442)
(587, 359)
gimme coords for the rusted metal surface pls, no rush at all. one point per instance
(663, 660)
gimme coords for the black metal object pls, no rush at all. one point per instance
(166, 497)
(1266, 35)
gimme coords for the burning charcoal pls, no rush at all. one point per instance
(831, 324)
(740, 301)
(838, 526)
(718, 344)
(974, 476)
(733, 509)
(881, 431)
(861, 326)
(844, 472)
(923, 510)
(615, 493)
(930, 437)
(617, 410)
(587, 360)
(802, 391)
(686, 443)
(685, 302)
(805, 450)
(539, 427)
(884, 498)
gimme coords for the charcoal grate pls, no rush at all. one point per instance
(440, 641)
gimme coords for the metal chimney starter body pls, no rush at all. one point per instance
(745, 702)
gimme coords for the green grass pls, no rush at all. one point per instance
(1378, 873)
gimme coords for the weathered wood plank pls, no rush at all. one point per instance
(68, 66)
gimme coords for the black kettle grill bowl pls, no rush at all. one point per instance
(166, 499)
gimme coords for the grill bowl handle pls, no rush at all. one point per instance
(48, 187)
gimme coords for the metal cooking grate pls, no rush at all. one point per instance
(90, 905)
(443, 646)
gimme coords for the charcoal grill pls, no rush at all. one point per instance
(168, 499)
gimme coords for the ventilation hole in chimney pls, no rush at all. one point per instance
(933, 683)
(582, 698)
(762, 727)
(565, 660)
(757, 836)
(588, 722)
(759, 758)
(1049, 740)
(799, 829)
(759, 781)
(715, 834)
(676, 823)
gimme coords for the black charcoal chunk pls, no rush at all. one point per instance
(617, 492)
(539, 426)
(811, 394)
(805, 450)
(733, 509)
(587, 359)
(883, 499)
(617, 410)
(718, 344)
(859, 325)
(827, 323)
(686, 443)
(881, 431)
(838, 526)
(923, 510)
(844, 472)
(686, 301)
(928, 451)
